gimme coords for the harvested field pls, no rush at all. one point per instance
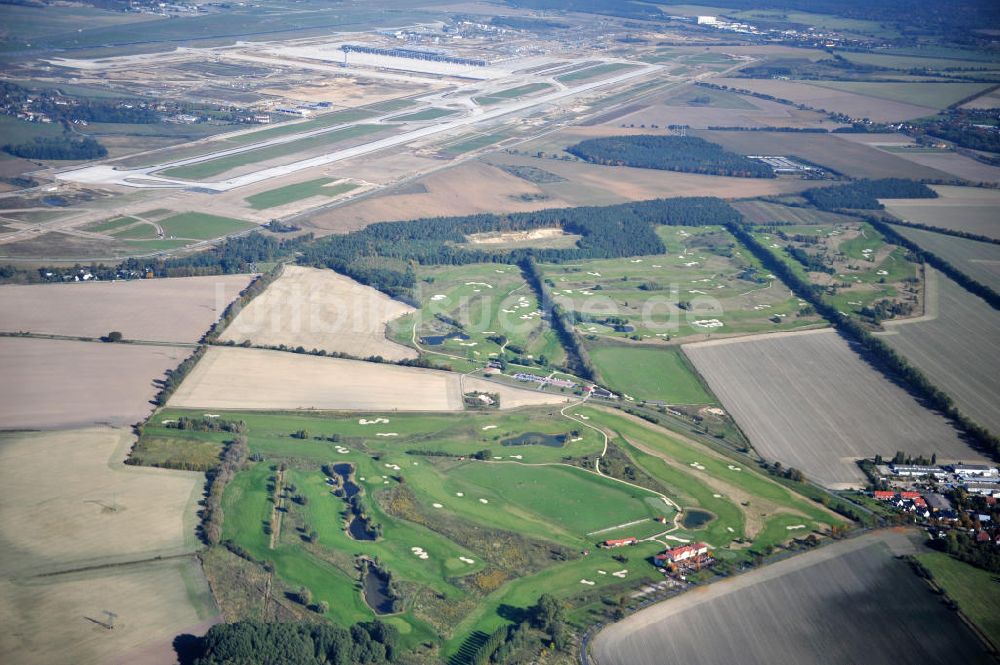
(168, 310)
(67, 501)
(978, 260)
(320, 309)
(60, 384)
(805, 607)
(969, 209)
(955, 165)
(809, 401)
(228, 378)
(828, 150)
(56, 619)
(931, 93)
(956, 345)
(854, 104)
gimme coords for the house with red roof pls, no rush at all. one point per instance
(620, 542)
(682, 553)
(909, 495)
(884, 495)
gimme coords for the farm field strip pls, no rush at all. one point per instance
(280, 196)
(972, 210)
(978, 260)
(809, 401)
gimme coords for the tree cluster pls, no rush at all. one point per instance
(57, 147)
(234, 456)
(864, 194)
(688, 154)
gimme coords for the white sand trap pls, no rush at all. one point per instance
(385, 482)
(734, 468)
(575, 439)
(167, 421)
(437, 505)
(465, 559)
(362, 478)
(518, 457)
(602, 572)
(497, 457)
(582, 417)
(483, 501)
(489, 427)
(483, 284)
(717, 496)
(424, 556)
(795, 527)
(588, 582)
(678, 539)
(386, 434)
(374, 421)
(730, 529)
(438, 296)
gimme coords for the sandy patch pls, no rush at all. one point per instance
(320, 309)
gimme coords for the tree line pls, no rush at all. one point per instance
(65, 146)
(688, 154)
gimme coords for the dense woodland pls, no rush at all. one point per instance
(253, 643)
(58, 147)
(864, 194)
(688, 154)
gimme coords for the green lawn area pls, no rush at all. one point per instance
(300, 190)
(141, 231)
(329, 120)
(510, 93)
(976, 591)
(717, 99)
(426, 114)
(180, 450)
(214, 167)
(202, 226)
(650, 373)
(473, 143)
(593, 72)
(112, 224)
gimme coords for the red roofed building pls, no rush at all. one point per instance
(883, 495)
(919, 502)
(909, 495)
(620, 542)
(983, 536)
(682, 553)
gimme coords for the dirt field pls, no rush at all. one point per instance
(320, 309)
(54, 620)
(829, 150)
(957, 165)
(807, 400)
(233, 378)
(855, 105)
(62, 384)
(753, 113)
(969, 209)
(67, 502)
(165, 310)
(978, 260)
(799, 611)
(956, 345)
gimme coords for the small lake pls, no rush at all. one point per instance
(55, 201)
(695, 519)
(437, 340)
(357, 528)
(625, 329)
(345, 471)
(536, 439)
(376, 591)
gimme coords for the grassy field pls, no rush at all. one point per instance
(201, 226)
(660, 374)
(511, 93)
(723, 289)
(426, 114)
(213, 167)
(491, 301)
(976, 591)
(273, 198)
(284, 129)
(498, 532)
(718, 99)
(597, 71)
(473, 143)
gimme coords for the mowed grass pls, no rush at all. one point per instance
(976, 591)
(650, 373)
(593, 72)
(112, 224)
(202, 226)
(426, 114)
(473, 143)
(273, 198)
(213, 167)
(330, 120)
(511, 93)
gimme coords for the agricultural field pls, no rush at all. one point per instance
(180, 309)
(838, 152)
(652, 374)
(464, 538)
(967, 209)
(234, 378)
(978, 260)
(805, 606)
(858, 266)
(956, 345)
(976, 591)
(497, 309)
(706, 285)
(77, 384)
(929, 94)
(809, 401)
(320, 187)
(96, 514)
(320, 309)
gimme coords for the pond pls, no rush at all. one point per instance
(437, 340)
(358, 528)
(695, 519)
(376, 591)
(624, 328)
(536, 439)
(56, 201)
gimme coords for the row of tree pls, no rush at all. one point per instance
(688, 154)
(864, 194)
(233, 458)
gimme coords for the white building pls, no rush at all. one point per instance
(707, 20)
